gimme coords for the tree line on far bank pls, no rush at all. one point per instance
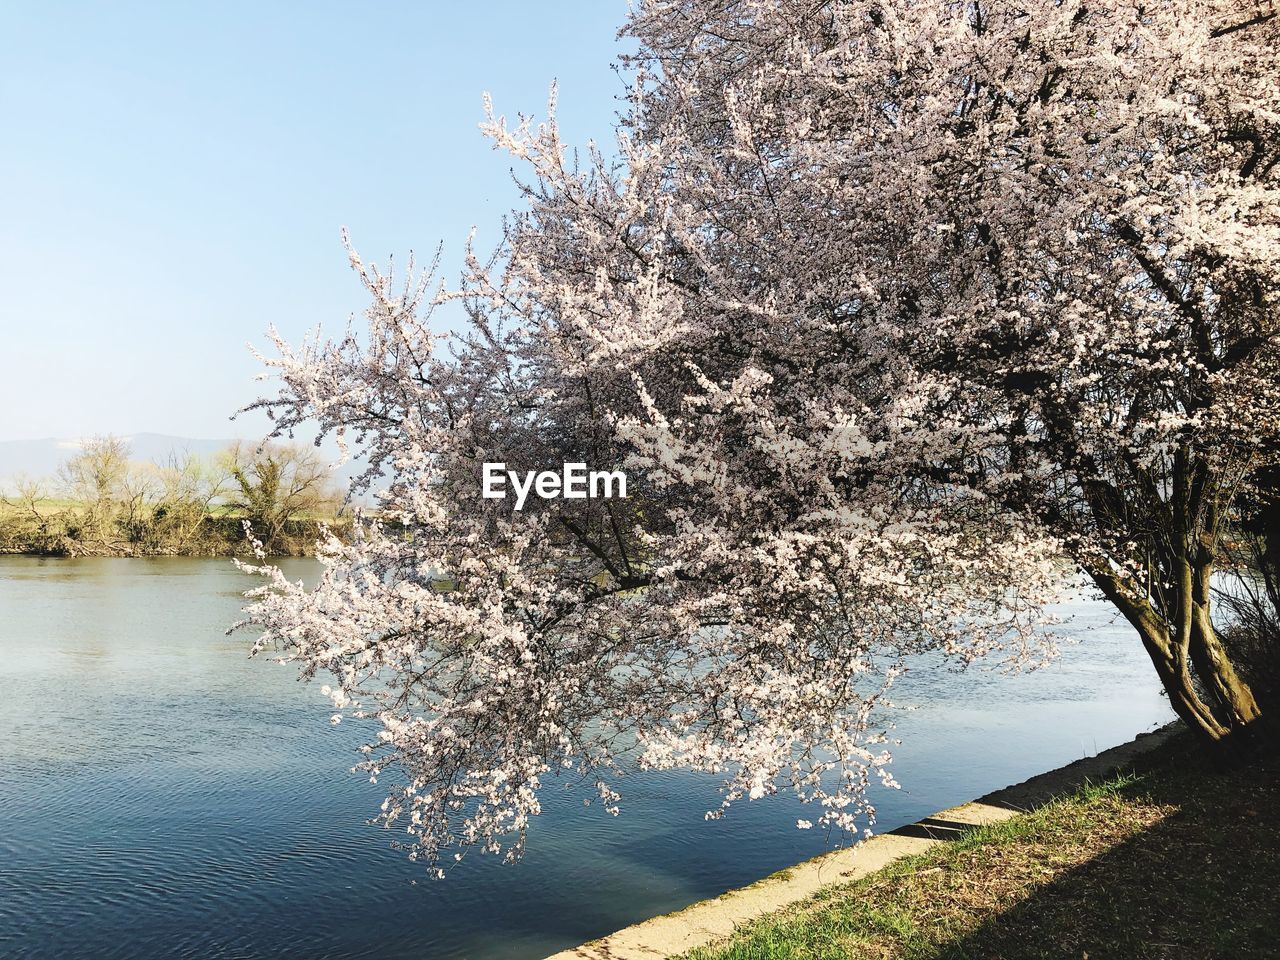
(101, 502)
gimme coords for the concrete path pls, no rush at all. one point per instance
(711, 920)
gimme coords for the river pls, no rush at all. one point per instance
(164, 796)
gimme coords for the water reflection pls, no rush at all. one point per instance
(161, 795)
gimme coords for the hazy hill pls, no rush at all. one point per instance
(40, 458)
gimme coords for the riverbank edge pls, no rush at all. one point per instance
(708, 921)
(79, 552)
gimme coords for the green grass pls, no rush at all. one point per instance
(52, 505)
(10, 505)
(1179, 861)
(62, 529)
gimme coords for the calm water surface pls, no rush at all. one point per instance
(161, 795)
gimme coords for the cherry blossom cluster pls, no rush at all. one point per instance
(874, 302)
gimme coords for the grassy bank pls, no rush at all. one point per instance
(55, 528)
(102, 503)
(1179, 860)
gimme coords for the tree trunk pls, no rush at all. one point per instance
(1212, 664)
(1228, 705)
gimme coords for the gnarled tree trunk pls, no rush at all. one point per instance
(1185, 648)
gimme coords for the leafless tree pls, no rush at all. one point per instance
(276, 484)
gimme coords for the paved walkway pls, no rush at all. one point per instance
(711, 920)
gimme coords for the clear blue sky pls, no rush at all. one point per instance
(174, 177)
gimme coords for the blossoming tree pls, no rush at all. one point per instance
(888, 309)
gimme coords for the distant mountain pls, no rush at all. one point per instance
(41, 458)
(35, 458)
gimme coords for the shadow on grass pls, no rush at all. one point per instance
(1202, 882)
(1177, 860)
